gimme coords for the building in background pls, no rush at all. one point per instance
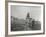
(28, 23)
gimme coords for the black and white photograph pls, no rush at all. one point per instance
(25, 18)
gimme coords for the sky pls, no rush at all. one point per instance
(21, 11)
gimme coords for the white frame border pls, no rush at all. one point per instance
(23, 32)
